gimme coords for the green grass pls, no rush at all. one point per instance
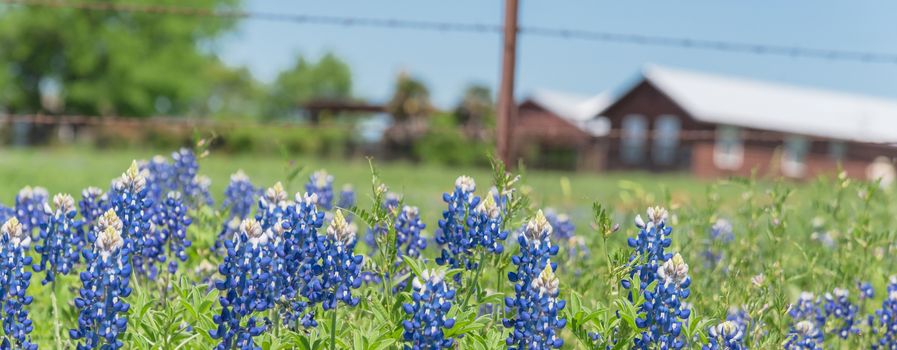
(71, 170)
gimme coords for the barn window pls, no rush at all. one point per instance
(635, 134)
(728, 152)
(666, 141)
(794, 157)
(837, 150)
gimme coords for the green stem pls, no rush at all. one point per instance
(56, 317)
(333, 327)
(474, 280)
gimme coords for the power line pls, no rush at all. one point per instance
(559, 33)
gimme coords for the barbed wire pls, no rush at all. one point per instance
(395, 23)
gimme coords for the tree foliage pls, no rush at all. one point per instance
(99, 62)
(329, 78)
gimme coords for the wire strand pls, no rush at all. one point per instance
(535, 31)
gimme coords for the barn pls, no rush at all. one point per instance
(711, 125)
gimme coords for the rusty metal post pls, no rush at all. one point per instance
(506, 105)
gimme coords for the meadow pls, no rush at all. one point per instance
(546, 260)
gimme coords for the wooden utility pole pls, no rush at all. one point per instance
(506, 106)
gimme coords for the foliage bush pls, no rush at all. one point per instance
(445, 143)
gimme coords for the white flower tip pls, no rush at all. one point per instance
(674, 270)
(340, 229)
(251, 228)
(537, 227)
(466, 184)
(657, 214)
(410, 212)
(321, 178)
(489, 207)
(547, 283)
(276, 194)
(239, 176)
(64, 203)
(12, 228)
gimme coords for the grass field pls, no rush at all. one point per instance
(71, 170)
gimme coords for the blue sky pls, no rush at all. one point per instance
(448, 62)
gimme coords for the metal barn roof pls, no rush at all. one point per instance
(581, 111)
(777, 107)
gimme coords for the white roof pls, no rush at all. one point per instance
(769, 106)
(581, 111)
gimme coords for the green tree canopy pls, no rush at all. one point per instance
(98, 62)
(410, 99)
(328, 78)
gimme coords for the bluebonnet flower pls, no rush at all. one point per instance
(340, 267)
(299, 265)
(61, 241)
(14, 281)
(721, 233)
(486, 226)
(346, 197)
(663, 312)
(135, 210)
(272, 205)
(454, 234)
(408, 232)
(740, 317)
(431, 301)
(807, 308)
(104, 285)
(199, 190)
(535, 324)
(321, 184)
(804, 335)
(562, 227)
(91, 205)
(160, 177)
(239, 197)
(866, 290)
(246, 289)
(30, 208)
(650, 244)
(184, 170)
(6, 213)
(725, 336)
(884, 323)
(838, 308)
(173, 221)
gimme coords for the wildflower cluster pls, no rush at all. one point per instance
(102, 317)
(430, 302)
(340, 266)
(239, 199)
(30, 208)
(650, 244)
(246, 287)
(62, 240)
(453, 234)
(14, 282)
(884, 322)
(92, 205)
(172, 221)
(135, 210)
(725, 336)
(535, 305)
(321, 184)
(663, 312)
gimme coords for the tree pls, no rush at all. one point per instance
(107, 62)
(329, 78)
(410, 99)
(476, 112)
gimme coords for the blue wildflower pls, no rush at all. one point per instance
(104, 285)
(408, 232)
(299, 263)
(535, 305)
(92, 205)
(884, 322)
(159, 178)
(239, 199)
(866, 290)
(650, 244)
(173, 221)
(247, 287)
(561, 225)
(431, 301)
(31, 208)
(340, 267)
(6, 213)
(663, 312)
(14, 281)
(486, 226)
(838, 309)
(321, 184)
(62, 240)
(725, 336)
(346, 197)
(454, 234)
(804, 335)
(135, 210)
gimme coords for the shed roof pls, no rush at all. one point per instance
(777, 107)
(581, 111)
